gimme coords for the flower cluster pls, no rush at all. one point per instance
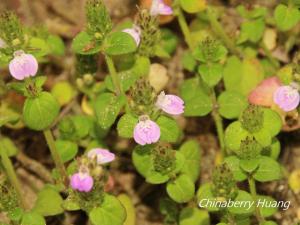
(83, 181)
(287, 97)
(147, 131)
(23, 65)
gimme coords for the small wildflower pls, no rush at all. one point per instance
(287, 98)
(135, 32)
(171, 104)
(158, 7)
(146, 131)
(82, 182)
(23, 65)
(102, 155)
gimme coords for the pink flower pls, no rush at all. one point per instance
(146, 131)
(23, 65)
(135, 32)
(171, 104)
(263, 93)
(82, 182)
(158, 7)
(102, 155)
(287, 98)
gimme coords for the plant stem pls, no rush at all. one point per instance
(219, 123)
(273, 61)
(252, 187)
(114, 75)
(12, 176)
(184, 28)
(55, 156)
(218, 29)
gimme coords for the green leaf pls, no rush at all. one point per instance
(204, 194)
(169, 40)
(181, 189)
(85, 44)
(242, 76)
(40, 46)
(231, 104)
(40, 112)
(15, 214)
(192, 153)
(126, 125)
(66, 149)
(154, 177)
(263, 137)
(234, 164)
(267, 205)
(249, 165)
(110, 212)
(234, 134)
(130, 76)
(193, 216)
(6, 144)
(33, 218)
(48, 202)
(273, 150)
(193, 6)
(272, 121)
(107, 107)
(197, 101)
(119, 43)
(211, 74)
(70, 204)
(63, 92)
(188, 61)
(169, 129)
(56, 44)
(268, 170)
(130, 210)
(242, 196)
(286, 17)
(142, 160)
(253, 13)
(252, 31)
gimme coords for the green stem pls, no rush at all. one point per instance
(219, 31)
(55, 156)
(12, 176)
(219, 123)
(252, 187)
(184, 28)
(114, 75)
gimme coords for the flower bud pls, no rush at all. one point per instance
(158, 7)
(146, 131)
(82, 182)
(287, 98)
(171, 104)
(102, 156)
(23, 65)
(163, 158)
(249, 149)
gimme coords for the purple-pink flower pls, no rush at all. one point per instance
(82, 182)
(158, 7)
(23, 65)
(146, 131)
(171, 104)
(135, 32)
(287, 98)
(102, 155)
